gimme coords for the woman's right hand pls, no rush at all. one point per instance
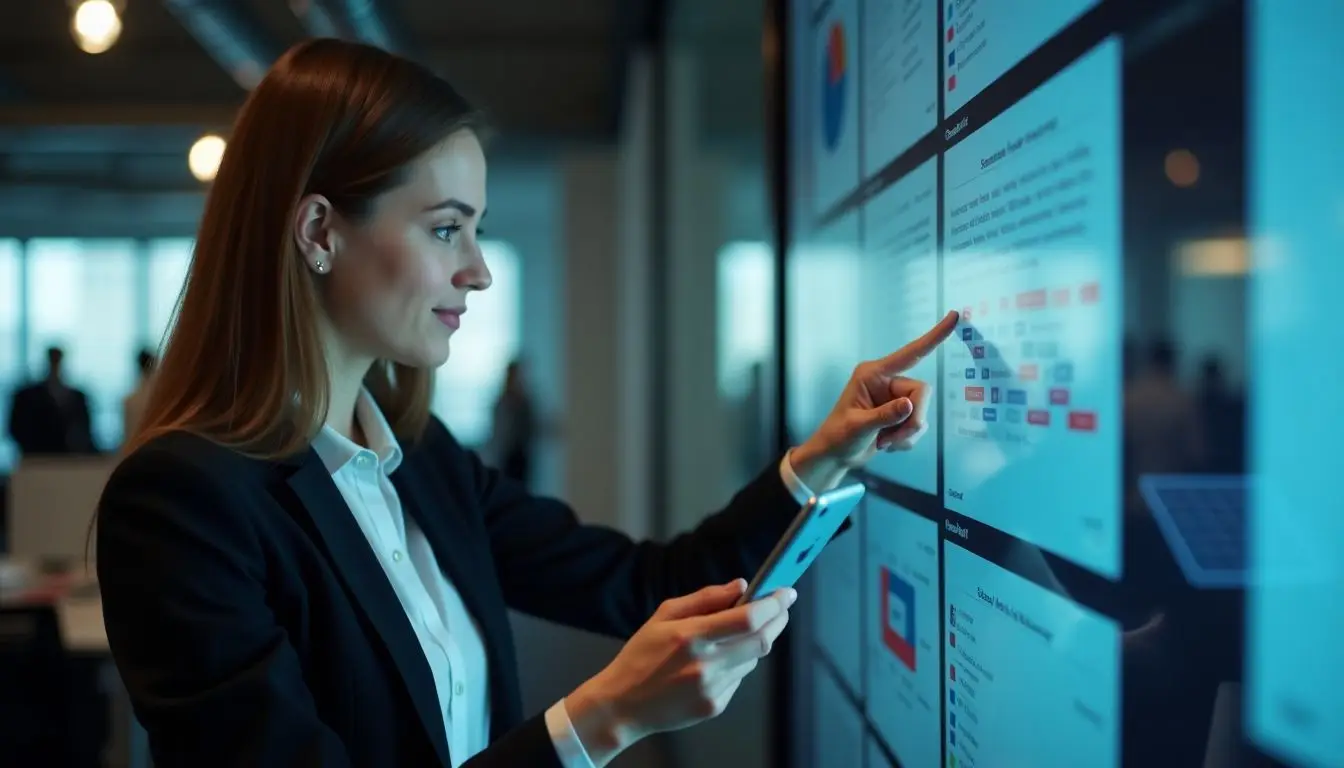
(680, 668)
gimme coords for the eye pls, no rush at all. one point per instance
(447, 233)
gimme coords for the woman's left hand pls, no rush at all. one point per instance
(879, 409)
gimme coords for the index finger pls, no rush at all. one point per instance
(740, 620)
(911, 353)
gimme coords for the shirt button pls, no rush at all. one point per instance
(396, 555)
(460, 689)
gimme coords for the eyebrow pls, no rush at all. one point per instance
(455, 204)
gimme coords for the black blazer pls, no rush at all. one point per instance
(253, 625)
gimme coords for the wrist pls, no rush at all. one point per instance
(816, 469)
(597, 721)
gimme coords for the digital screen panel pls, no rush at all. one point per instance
(1090, 537)
(1031, 259)
(1032, 678)
(899, 278)
(900, 75)
(835, 77)
(902, 644)
(1296, 707)
(984, 39)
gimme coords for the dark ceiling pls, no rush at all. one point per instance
(544, 70)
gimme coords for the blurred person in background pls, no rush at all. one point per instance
(133, 405)
(1162, 422)
(300, 566)
(514, 428)
(50, 417)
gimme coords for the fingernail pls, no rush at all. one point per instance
(738, 584)
(790, 596)
(904, 406)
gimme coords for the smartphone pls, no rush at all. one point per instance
(819, 520)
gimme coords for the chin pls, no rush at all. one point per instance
(426, 355)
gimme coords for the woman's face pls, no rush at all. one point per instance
(396, 284)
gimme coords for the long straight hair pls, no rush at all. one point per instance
(244, 365)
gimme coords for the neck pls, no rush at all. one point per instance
(346, 372)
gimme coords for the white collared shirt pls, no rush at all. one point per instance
(447, 632)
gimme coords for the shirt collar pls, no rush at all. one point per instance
(337, 450)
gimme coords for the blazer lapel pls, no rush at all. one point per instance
(363, 576)
(463, 553)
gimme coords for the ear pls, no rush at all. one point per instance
(314, 233)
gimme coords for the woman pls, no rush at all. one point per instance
(300, 566)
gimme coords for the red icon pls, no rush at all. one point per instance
(952, 638)
(951, 82)
(950, 35)
(1090, 293)
(1083, 421)
(1038, 417)
(1059, 396)
(1028, 372)
(1031, 299)
(952, 670)
(975, 394)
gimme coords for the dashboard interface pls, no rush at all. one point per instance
(1115, 545)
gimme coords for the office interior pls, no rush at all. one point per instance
(629, 239)
(640, 193)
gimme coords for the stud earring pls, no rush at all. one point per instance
(320, 266)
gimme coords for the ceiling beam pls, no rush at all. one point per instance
(231, 35)
(637, 25)
(368, 21)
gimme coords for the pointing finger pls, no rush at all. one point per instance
(905, 357)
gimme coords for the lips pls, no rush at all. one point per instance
(450, 317)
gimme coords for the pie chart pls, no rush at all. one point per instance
(834, 81)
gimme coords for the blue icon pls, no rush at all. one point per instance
(994, 395)
(984, 373)
(952, 719)
(970, 373)
(950, 7)
(952, 737)
(952, 55)
(1064, 372)
(1017, 397)
(952, 695)
(990, 414)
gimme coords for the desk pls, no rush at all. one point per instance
(79, 614)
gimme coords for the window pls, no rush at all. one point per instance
(746, 314)
(466, 387)
(169, 260)
(82, 296)
(11, 364)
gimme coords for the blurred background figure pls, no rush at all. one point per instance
(1162, 423)
(51, 417)
(514, 430)
(133, 405)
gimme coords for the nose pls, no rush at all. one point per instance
(475, 274)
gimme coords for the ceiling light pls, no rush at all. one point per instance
(96, 25)
(1182, 167)
(204, 157)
